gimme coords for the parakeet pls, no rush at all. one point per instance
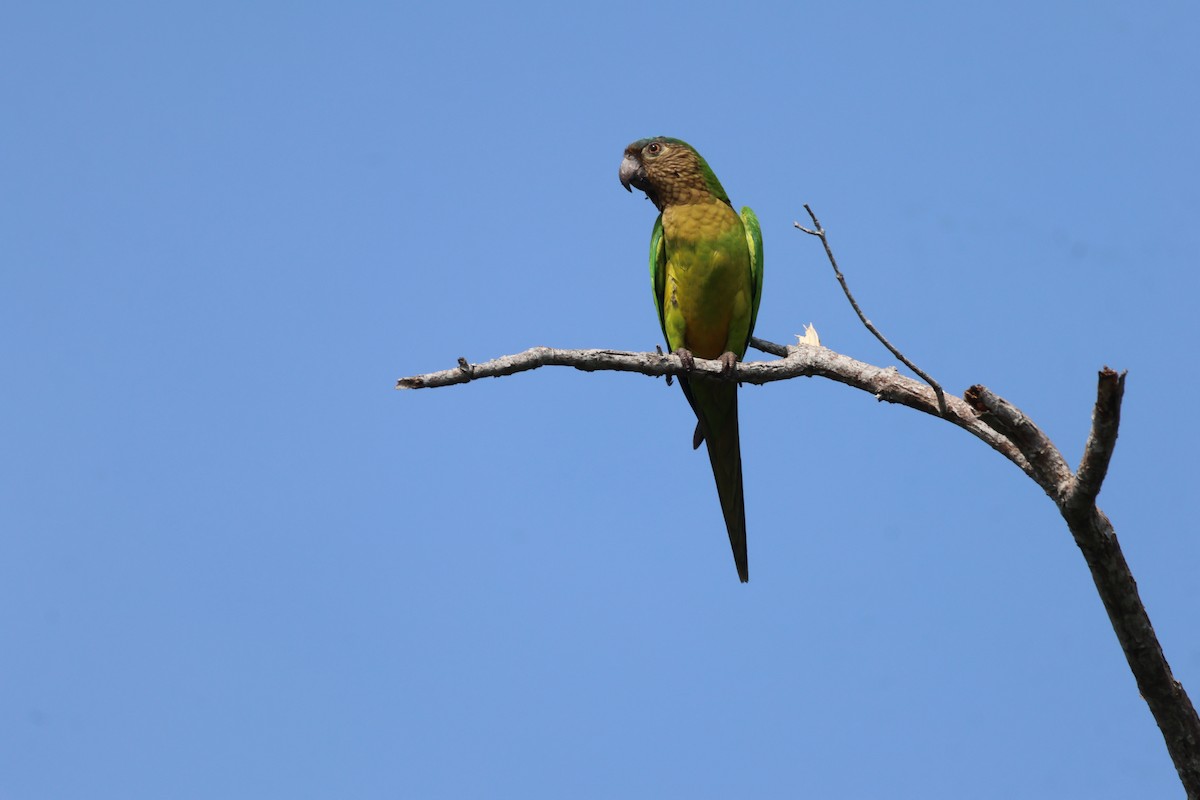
(706, 272)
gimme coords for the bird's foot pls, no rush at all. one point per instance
(728, 363)
(685, 355)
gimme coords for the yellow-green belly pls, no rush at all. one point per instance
(706, 295)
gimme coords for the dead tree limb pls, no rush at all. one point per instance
(885, 383)
(988, 417)
(1075, 495)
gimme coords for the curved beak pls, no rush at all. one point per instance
(631, 173)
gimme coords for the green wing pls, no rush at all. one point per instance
(754, 242)
(658, 272)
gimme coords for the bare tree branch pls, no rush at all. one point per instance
(819, 232)
(983, 414)
(656, 364)
(1094, 534)
(1166, 697)
(1075, 496)
(1050, 469)
(886, 384)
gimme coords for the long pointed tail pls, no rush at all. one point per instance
(715, 404)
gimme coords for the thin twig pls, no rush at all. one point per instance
(669, 378)
(819, 232)
(768, 347)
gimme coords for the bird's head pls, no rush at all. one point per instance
(668, 171)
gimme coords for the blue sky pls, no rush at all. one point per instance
(234, 562)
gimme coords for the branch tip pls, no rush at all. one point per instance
(1101, 441)
(771, 348)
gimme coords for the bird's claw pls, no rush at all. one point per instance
(728, 363)
(689, 361)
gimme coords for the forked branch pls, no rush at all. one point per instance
(1075, 496)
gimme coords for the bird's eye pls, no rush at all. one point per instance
(654, 148)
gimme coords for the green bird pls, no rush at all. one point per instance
(706, 272)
